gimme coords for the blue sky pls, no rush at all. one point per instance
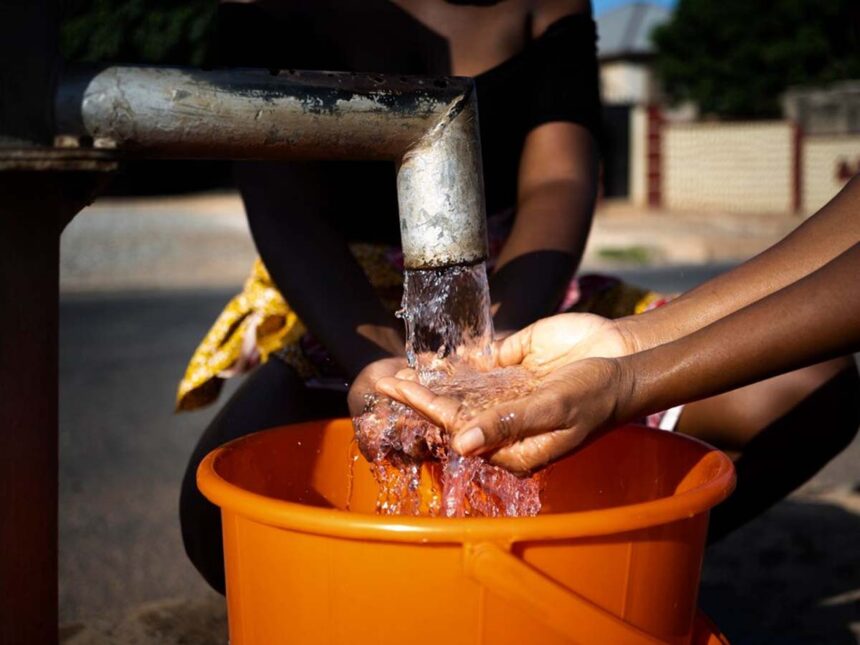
(601, 6)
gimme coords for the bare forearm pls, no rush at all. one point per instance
(542, 253)
(815, 318)
(835, 228)
(312, 266)
(554, 215)
(556, 187)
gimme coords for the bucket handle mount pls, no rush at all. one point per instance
(563, 610)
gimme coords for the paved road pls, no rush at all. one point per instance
(793, 573)
(122, 450)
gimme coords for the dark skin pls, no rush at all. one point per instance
(799, 305)
(584, 396)
(555, 188)
(308, 257)
(556, 191)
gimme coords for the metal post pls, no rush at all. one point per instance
(32, 213)
(28, 58)
(40, 191)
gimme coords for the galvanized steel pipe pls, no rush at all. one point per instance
(427, 125)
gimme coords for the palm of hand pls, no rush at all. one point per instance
(526, 433)
(561, 340)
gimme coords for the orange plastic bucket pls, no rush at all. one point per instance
(614, 557)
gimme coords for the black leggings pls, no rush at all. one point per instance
(272, 395)
(790, 451)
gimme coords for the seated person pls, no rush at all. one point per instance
(791, 306)
(319, 306)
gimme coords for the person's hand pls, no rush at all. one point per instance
(570, 403)
(560, 340)
(365, 382)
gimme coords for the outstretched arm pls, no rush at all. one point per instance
(831, 231)
(565, 338)
(557, 187)
(813, 319)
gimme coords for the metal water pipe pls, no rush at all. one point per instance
(428, 126)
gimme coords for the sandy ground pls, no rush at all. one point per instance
(142, 279)
(202, 241)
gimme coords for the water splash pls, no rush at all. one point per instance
(447, 317)
(449, 336)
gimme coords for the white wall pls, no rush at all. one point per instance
(639, 155)
(822, 156)
(623, 82)
(740, 167)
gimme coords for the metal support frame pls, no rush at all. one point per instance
(427, 125)
(40, 191)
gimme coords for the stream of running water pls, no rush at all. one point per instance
(449, 333)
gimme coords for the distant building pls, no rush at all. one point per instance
(665, 157)
(625, 52)
(830, 110)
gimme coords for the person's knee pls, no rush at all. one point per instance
(840, 408)
(732, 420)
(200, 523)
(272, 395)
(791, 450)
(822, 422)
(263, 401)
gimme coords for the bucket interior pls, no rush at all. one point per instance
(615, 557)
(318, 464)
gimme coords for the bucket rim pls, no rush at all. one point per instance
(338, 523)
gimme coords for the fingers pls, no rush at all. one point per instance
(356, 398)
(545, 410)
(514, 349)
(441, 410)
(532, 453)
(531, 432)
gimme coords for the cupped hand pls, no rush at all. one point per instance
(553, 342)
(365, 382)
(569, 404)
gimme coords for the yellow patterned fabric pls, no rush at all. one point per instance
(259, 315)
(258, 323)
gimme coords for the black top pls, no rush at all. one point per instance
(553, 79)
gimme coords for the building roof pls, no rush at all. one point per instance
(625, 32)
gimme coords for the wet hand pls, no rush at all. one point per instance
(569, 404)
(365, 382)
(560, 340)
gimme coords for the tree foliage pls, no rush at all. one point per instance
(138, 31)
(734, 58)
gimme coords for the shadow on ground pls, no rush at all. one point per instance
(171, 622)
(791, 576)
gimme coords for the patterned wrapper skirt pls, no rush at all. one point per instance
(258, 324)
